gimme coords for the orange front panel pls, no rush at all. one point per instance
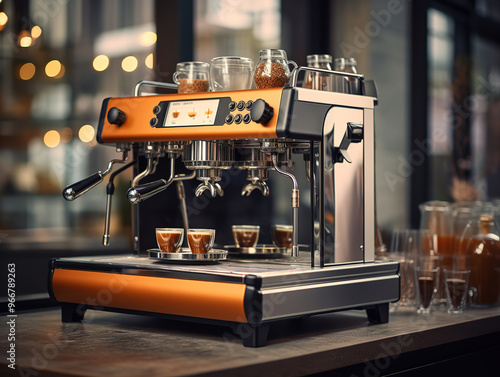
(193, 298)
(139, 112)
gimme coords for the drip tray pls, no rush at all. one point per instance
(259, 251)
(185, 256)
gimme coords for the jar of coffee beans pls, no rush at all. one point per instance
(192, 77)
(272, 70)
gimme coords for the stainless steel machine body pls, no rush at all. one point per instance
(257, 131)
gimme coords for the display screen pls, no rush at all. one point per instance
(191, 113)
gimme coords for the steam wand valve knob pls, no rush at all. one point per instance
(116, 116)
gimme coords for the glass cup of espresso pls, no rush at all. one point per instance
(230, 73)
(282, 235)
(457, 286)
(192, 77)
(246, 235)
(427, 283)
(200, 241)
(169, 239)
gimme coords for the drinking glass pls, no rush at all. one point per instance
(457, 285)
(169, 239)
(427, 282)
(200, 241)
(246, 235)
(406, 246)
(230, 73)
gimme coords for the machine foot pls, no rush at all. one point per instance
(378, 313)
(253, 336)
(72, 312)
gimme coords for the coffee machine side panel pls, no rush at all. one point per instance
(342, 189)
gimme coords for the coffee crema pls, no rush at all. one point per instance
(245, 238)
(426, 290)
(169, 241)
(283, 236)
(456, 290)
(199, 242)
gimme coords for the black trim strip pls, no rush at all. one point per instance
(102, 119)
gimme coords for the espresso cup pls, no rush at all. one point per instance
(192, 77)
(169, 239)
(200, 241)
(230, 73)
(282, 235)
(246, 235)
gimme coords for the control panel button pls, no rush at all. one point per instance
(153, 122)
(238, 118)
(156, 110)
(229, 119)
(261, 112)
(232, 105)
(249, 104)
(247, 119)
(241, 105)
(116, 116)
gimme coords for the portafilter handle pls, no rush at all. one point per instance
(79, 188)
(142, 192)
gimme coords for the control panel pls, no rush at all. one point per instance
(201, 116)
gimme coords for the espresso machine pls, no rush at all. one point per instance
(257, 132)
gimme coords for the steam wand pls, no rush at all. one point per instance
(295, 206)
(110, 190)
(181, 194)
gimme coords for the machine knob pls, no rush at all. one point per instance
(261, 112)
(355, 132)
(116, 116)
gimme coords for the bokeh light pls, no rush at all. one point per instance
(100, 63)
(149, 61)
(129, 64)
(27, 71)
(86, 133)
(52, 138)
(54, 69)
(3, 20)
(36, 31)
(24, 39)
(148, 38)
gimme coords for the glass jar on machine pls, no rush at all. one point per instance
(318, 80)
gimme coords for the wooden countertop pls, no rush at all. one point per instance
(111, 344)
